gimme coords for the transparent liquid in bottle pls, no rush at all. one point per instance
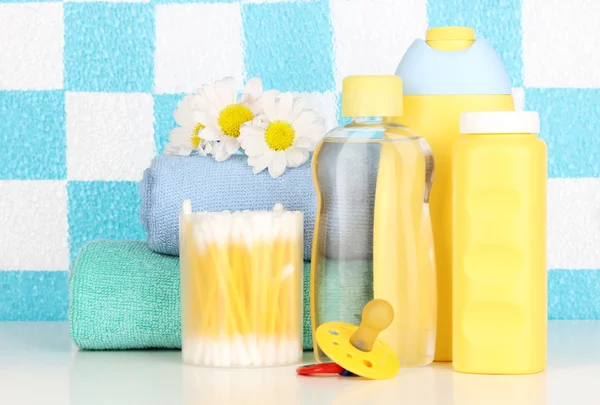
(373, 233)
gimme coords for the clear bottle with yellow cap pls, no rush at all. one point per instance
(373, 234)
(448, 73)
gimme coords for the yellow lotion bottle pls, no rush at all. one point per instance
(449, 73)
(499, 244)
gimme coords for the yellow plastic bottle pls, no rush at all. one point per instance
(499, 244)
(449, 73)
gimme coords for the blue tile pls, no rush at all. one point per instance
(194, 1)
(289, 45)
(498, 22)
(109, 47)
(32, 135)
(164, 105)
(569, 125)
(574, 294)
(103, 210)
(34, 295)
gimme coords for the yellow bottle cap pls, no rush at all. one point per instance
(450, 34)
(372, 96)
(450, 38)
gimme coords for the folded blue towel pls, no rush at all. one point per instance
(217, 186)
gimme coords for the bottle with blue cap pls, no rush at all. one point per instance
(448, 73)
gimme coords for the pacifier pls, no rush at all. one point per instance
(356, 349)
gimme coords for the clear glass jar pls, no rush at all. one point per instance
(241, 287)
(373, 235)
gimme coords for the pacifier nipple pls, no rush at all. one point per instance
(376, 316)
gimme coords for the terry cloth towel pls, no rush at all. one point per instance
(125, 296)
(217, 186)
(343, 288)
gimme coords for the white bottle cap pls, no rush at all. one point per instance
(500, 122)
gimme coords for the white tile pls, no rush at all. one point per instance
(370, 37)
(110, 136)
(31, 46)
(518, 94)
(197, 44)
(325, 104)
(560, 43)
(574, 223)
(34, 232)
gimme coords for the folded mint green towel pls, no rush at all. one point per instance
(125, 296)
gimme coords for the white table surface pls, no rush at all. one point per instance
(39, 365)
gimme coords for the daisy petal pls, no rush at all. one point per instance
(299, 104)
(220, 153)
(302, 142)
(225, 88)
(296, 157)
(210, 92)
(284, 107)
(249, 130)
(260, 163)
(196, 101)
(176, 150)
(254, 106)
(207, 146)
(231, 145)
(306, 118)
(278, 164)
(204, 118)
(254, 146)
(268, 104)
(210, 133)
(180, 135)
(321, 121)
(253, 88)
(202, 103)
(315, 131)
(183, 113)
(261, 121)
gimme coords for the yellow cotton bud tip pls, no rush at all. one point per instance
(232, 117)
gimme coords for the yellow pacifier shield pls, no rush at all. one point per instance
(341, 342)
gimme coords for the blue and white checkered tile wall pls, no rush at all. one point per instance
(87, 91)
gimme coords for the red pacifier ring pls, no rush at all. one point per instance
(323, 368)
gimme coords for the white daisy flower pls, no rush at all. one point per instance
(282, 135)
(222, 113)
(185, 139)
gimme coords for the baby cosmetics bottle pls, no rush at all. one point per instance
(449, 73)
(499, 244)
(373, 234)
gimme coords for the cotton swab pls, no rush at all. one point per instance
(245, 287)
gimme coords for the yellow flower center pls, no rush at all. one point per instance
(195, 139)
(232, 117)
(279, 135)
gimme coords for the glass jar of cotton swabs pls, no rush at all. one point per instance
(241, 287)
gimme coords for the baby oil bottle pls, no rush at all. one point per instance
(373, 234)
(499, 244)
